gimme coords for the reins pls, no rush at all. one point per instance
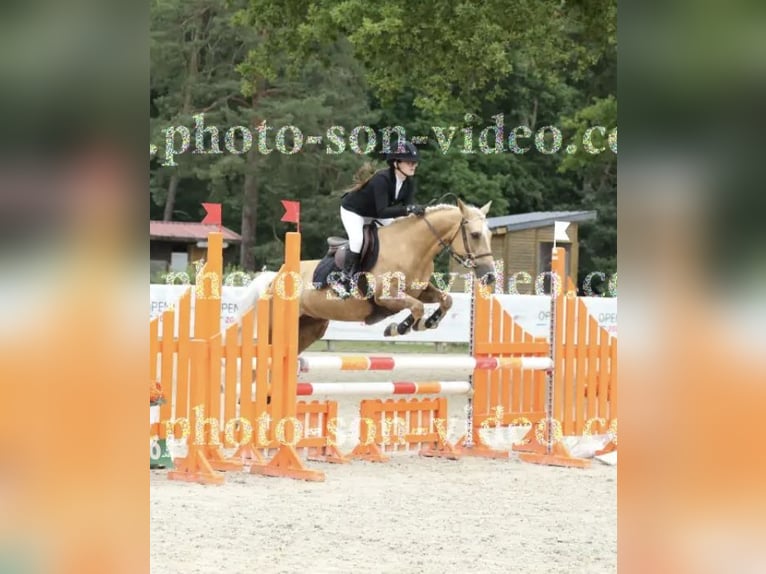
(468, 260)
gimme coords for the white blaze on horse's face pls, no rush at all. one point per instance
(479, 240)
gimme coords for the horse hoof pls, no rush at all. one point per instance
(434, 320)
(391, 331)
(420, 325)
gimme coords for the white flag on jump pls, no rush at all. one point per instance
(560, 231)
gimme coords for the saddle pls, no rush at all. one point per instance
(333, 260)
(338, 247)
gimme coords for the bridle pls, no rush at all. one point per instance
(467, 260)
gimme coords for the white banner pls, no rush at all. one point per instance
(603, 310)
(531, 312)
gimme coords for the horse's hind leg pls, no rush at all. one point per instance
(433, 295)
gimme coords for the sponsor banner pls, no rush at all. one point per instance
(531, 312)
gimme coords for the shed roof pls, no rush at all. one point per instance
(188, 231)
(535, 219)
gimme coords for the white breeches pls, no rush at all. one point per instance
(353, 224)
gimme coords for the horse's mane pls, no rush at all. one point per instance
(440, 207)
(429, 209)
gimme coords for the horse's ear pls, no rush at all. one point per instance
(461, 205)
(485, 207)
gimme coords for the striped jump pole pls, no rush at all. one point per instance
(393, 388)
(349, 368)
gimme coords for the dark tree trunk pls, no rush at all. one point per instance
(193, 70)
(171, 199)
(250, 201)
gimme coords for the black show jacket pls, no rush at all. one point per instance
(376, 198)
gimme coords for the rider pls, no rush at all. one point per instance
(386, 195)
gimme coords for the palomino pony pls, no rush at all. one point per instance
(400, 277)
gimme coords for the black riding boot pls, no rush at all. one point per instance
(350, 267)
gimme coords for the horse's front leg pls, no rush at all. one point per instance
(397, 304)
(433, 295)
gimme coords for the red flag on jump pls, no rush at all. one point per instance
(213, 213)
(292, 212)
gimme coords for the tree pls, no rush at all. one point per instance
(193, 86)
(596, 172)
(450, 52)
(464, 67)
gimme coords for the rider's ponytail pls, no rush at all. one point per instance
(362, 176)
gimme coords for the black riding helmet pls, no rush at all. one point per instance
(408, 153)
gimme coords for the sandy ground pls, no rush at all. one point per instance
(411, 514)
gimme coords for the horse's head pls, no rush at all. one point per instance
(473, 242)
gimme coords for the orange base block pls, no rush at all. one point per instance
(479, 448)
(610, 447)
(528, 444)
(195, 467)
(218, 462)
(559, 456)
(287, 464)
(440, 450)
(369, 452)
(328, 454)
(249, 455)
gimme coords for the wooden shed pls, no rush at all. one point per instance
(175, 245)
(521, 244)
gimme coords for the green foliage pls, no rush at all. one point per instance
(597, 174)
(418, 65)
(602, 112)
(450, 52)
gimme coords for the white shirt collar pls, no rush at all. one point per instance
(399, 183)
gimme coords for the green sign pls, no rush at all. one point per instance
(159, 456)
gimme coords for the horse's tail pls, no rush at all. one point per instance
(253, 292)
